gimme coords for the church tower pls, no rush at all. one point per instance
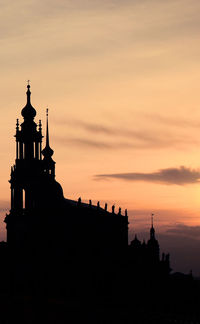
(32, 180)
(28, 158)
(153, 244)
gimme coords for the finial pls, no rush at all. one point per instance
(113, 209)
(28, 92)
(120, 211)
(28, 84)
(90, 202)
(47, 112)
(106, 206)
(98, 204)
(126, 213)
(79, 200)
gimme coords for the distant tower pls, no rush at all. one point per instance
(152, 230)
(153, 244)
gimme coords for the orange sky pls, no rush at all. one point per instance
(121, 80)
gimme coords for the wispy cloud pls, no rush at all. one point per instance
(170, 176)
(94, 143)
(115, 137)
(184, 230)
(179, 122)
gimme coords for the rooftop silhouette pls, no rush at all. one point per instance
(65, 249)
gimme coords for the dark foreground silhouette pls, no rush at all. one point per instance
(70, 262)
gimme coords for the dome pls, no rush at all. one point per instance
(51, 191)
(28, 112)
(48, 193)
(56, 189)
(135, 242)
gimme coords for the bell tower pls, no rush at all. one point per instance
(28, 157)
(27, 170)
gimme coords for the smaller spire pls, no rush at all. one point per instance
(47, 131)
(47, 151)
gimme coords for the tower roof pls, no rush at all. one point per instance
(28, 112)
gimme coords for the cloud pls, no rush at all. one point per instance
(185, 230)
(169, 176)
(92, 143)
(135, 139)
(179, 121)
(86, 143)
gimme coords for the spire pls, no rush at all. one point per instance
(47, 130)
(47, 152)
(152, 230)
(28, 112)
(152, 220)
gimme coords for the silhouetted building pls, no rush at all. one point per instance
(79, 252)
(145, 257)
(47, 232)
(61, 246)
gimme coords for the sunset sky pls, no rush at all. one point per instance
(121, 79)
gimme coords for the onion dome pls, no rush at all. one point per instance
(28, 112)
